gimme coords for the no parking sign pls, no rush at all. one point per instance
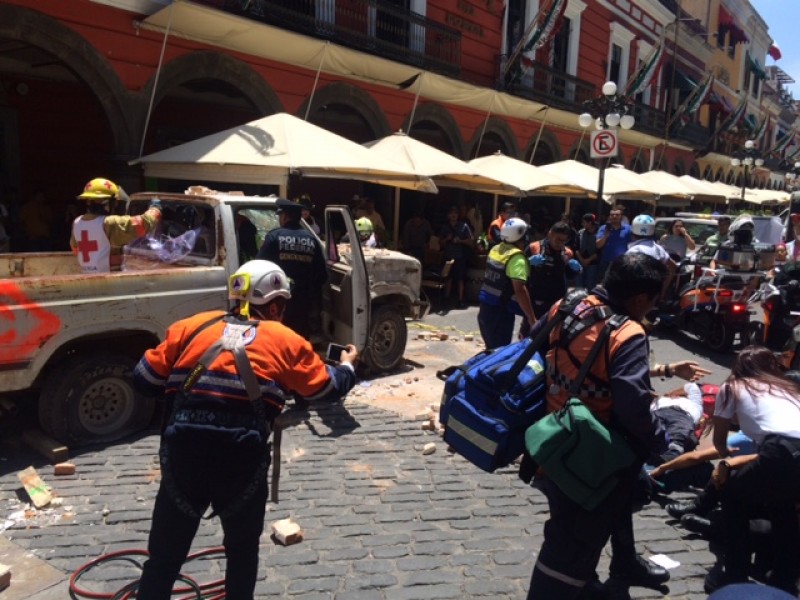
(604, 143)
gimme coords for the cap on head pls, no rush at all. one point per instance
(643, 226)
(289, 207)
(258, 282)
(99, 189)
(513, 230)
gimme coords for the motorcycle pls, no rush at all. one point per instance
(780, 329)
(712, 307)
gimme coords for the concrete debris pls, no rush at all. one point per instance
(65, 468)
(287, 532)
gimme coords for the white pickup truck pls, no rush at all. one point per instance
(74, 338)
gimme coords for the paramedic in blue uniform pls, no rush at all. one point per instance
(298, 252)
(617, 390)
(214, 448)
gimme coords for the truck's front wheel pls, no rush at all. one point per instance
(387, 339)
(92, 399)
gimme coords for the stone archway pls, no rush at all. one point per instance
(495, 136)
(547, 151)
(346, 98)
(213, 66)
(435, 125)
(33, 28)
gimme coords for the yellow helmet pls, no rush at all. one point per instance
(99, 189)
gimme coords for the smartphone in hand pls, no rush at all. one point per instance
(335, 352)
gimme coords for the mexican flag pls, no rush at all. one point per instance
(644, 74)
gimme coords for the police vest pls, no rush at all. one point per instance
(547, 282)
(93, 247)
(497, 289)
(570, 345)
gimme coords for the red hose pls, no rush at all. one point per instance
(213, 590)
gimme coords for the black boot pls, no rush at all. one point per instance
(638, 572)
(697, 524)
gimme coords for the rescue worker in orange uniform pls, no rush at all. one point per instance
(617, 390)
(508, 210)
(225, 377)
(98, 236)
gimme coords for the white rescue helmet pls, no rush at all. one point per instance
(742, 230)
(258, 282)
(513, 230)
(644, 226)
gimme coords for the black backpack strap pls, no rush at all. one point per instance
(568, 304)
(612, 323)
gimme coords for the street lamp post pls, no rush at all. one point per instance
(609, 111)
(747, 158)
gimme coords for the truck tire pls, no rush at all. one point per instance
(92, 399)
(387, 339)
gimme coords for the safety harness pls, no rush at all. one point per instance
(573, 326)
(233, 341)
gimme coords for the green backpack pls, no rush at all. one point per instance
(579, 453)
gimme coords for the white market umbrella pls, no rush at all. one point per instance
(766, 197)
(426, 161)
(667, 184)
(617, 181)
(526, 178)
(269, 149)
(706, 190)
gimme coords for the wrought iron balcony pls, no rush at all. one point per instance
(372, 26)
(548, 86)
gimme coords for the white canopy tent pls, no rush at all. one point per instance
(269, 149)
(618, 181)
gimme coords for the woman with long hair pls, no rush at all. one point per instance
(766, 405)
(677, 240)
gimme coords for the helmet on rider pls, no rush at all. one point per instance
(364, 228)
(644, 226)
(742, 230)
(258, 282)
(513, 230)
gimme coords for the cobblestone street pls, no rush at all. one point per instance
(381, 520)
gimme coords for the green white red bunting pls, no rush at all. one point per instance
(698, 95)
(734, 119)
(641, 79)
(546, 24)
(783, 143)
(762, 127)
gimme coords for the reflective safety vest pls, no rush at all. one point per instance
(93, 248)
(570, 345)
(497, 289)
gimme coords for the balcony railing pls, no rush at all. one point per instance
(548, 86)
(372, 26)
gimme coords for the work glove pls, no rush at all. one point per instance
(155, 203)
(537, 260)
(574, 265)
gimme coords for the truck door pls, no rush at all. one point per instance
(346, 296)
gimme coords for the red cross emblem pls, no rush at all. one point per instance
(86, 246)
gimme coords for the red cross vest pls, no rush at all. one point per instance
(93, 247)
